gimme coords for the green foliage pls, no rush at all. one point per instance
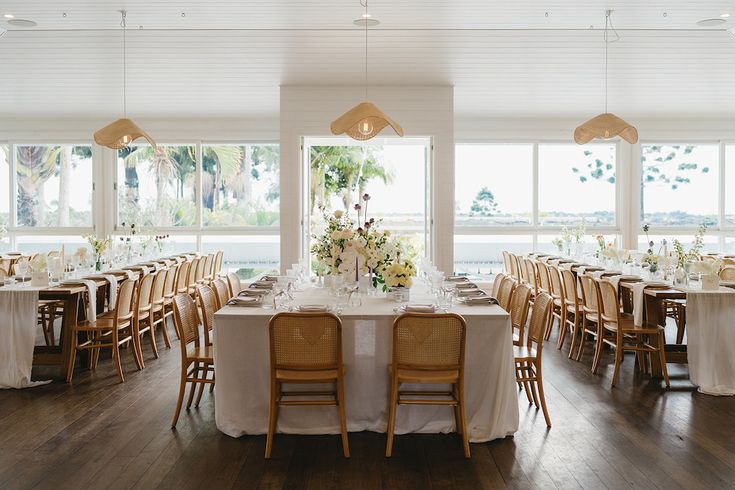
(484, 204)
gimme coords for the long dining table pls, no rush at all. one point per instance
(241, 357)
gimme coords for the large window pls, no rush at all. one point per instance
(576, 183)
(53, 185)
(493, 185)
(4, 185)
(679, 184)
(156, 187)
(240, 185)
(729, 194)
(393, 172)
(247, 256)
(518, 197)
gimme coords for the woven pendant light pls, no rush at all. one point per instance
(365, 120)
(606, 125)
(119, 134)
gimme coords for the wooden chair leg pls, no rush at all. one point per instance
(152, 339)
(662, 357)
(618, 362)
(463, 421)
(575, 333)
(391, 418)
(116, 359)
(599, 344)
(73, 354)
(272, 418)
(540, 383)
(164, 331)
(180, 401)
(195, 374)
(201, 390)
(342, 417)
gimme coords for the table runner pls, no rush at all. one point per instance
(18, 333)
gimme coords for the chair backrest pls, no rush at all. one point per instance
(727, 273)
(540, 318)
(201, 266)
(544, 282)
(505, 292)
(531, 273)
(145, 296)
(499, 278)
(223, 292)
(525, 279)
(514, 267)
(125, 305)
(53, 253)
(429, 341)
(192, 276)
(607, 298)
(557, 291)
(218, 262)
(519, 308)
(571, 294)
(186, 320)
(208, 304)
(506, 262)
(305, 341)
(182, 278)
(728, 261)
(169, 287)
(589, 294)
(3, 273)
(234, 282)
(159, 282)
(208, 265)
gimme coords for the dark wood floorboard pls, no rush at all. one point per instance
(97, 433)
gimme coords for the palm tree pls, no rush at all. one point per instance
(34, 166)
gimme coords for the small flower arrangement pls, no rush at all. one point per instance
(558, 243)
(129, 231)
(683, 256)
(399, 274)
(160, 241)
(39, 263)
(99, 245)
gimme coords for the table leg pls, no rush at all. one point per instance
(71, 311)
(653, 316)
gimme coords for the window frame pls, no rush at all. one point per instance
(536, 230)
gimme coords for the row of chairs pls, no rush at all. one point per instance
(586, 306)
(143, 307)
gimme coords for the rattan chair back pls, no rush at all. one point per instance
(305, 341)
(185, 320)
(234, 282)
(208, 304)
(182, 278)
(539, 322)
(429, 341)
(519, 307)
(223, 292)
(499, 278)
(506, 292)
(145, 296)
(727, 273)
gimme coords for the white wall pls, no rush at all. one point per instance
(420, 110)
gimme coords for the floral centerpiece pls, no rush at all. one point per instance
(100, 246)
(160, 241)
(39, 270)
(128, 232)
(365, 250)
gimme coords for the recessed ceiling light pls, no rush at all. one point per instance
(22, 23)
(9, 16)
(725, 15)
(710, 22)
(366, 16)
(366, 22)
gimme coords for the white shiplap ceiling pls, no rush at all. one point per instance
(227, 58)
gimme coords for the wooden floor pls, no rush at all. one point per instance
(101, 434)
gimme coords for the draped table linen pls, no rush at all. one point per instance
(711, 340)
(242, 364)
(19, 305)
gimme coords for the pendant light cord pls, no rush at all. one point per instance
(608, 24)
(123, 24)
(367, 17)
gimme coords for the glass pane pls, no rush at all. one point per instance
(54, 185)
(482, 255)
(729, 185)
(4, 185)
(240, 185)
(711, 243)
(393, 174)
(576, 182)
(588, 245)
(34, 244)
(248, 256)
(156, 188)
(493, 185)
(679, 184)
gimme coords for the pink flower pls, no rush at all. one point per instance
(358, 207)
(360, 230)
(366, 197)
(367, 225)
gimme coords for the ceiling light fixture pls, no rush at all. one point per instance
(725, 15)
(606, 125)
(121, 133)
(9, 16)
(22, 23)
(365, 120)
(711, 22)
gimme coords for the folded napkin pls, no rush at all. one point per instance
(638, 305)
(457, 279)
(481, 300)
(465, 285)
(245, 301)
(262, 285)
(253, 292)
(130, 274)
(420, 309)
(269, 279)
(313, 308)
(471, 292)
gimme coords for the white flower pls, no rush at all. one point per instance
(338, 214)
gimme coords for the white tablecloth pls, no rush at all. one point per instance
(17, 336)
(243, 373)
(711, 340)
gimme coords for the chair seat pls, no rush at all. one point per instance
(301, 376)
(628, 326)
(445, 376)
(103, 322)
(204, 353)
(524, 353)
